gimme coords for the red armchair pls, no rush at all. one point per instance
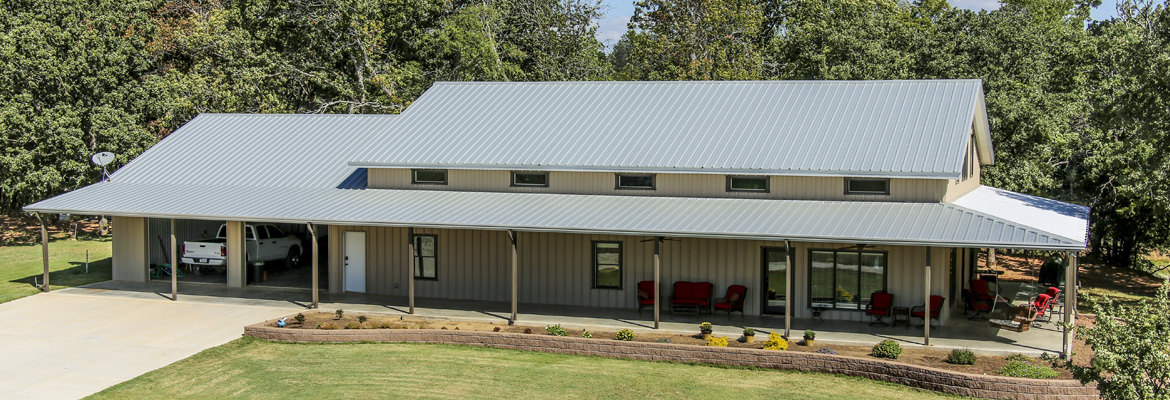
(695, 295)
(974, 304)
(881, 305)
(645, 295)
(1054, 299)
(936, 303)
(1040, 306)
(981, 290)
(733, 301)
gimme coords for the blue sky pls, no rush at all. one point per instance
(618, 13)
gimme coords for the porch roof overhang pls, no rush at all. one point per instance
(891, 223)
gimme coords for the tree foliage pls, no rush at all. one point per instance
(1131, 349)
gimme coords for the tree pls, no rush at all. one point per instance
(1131, 349)
(72, 85)
(692, 40)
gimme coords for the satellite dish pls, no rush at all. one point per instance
(103, 158)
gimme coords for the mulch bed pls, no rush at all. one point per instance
(986, 365)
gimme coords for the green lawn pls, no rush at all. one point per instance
(20, 263)
(254, 368)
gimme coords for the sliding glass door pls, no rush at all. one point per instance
(845, 279)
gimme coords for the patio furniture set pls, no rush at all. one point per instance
(978, 299)
(694, 297)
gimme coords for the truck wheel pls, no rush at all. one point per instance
(293, 259)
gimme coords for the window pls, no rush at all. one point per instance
(428, 176)
(629, 181)
(607, 265)
(845, 279)
(530, 179)
(747, 184)
(275, 232)
(867, 186)
(425, 258)
(261, 232)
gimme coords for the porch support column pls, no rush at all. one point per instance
(926, 315)
(315, 264)
(410, 266)
(44, 252)
(787, 289)
(512, 237)
(657, 279)
(174, 264)
(1070, 302)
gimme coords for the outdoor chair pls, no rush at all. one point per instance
(982, 290)
(1054, 299)
(1040, 306)
(645, 295)
(696, 295)
(881, 305)
(980, 308)
(733, 301)
(936, 303)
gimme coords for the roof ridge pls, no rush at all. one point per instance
(741, 82)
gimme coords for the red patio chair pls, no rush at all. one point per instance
(1054, 299)
(695, 295)
(936, 303)
(733, 301)
(645, 295)
(981, 290)
(881, 305)
(979, 307)
(1040, 305)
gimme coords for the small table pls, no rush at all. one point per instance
(816, 313)
(903, 314)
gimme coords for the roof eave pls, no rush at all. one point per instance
(661, 170)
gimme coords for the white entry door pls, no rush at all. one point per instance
(355, 262)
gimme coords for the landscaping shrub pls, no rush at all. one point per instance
(809, 334)
(961, 357)
(326, 325)
(362, 319)
(749, 332)
(385, 325)
(1020, 369)
(352, 325)
(664, 340)
(340, 313)
(1017, 357)
(776, 342)
(496, 329)
(300, 318)
(887, 349)
(826, 350)
(586, 334)
(527, 330)
(715, 341)
(626, 334)
(556, 330)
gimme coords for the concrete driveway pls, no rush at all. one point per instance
(70, 344)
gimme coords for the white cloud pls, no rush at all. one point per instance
(976, 4)
(611, 29)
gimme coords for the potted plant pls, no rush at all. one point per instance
(705, 329)
(749, 335)
(809, 337)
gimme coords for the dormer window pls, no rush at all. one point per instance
(747, 184)
(530, 179)
(428, 176)
(867, 186)
(635, 181)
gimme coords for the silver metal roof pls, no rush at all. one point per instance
(935, 224)
(917, 128)
(1069, 221)
(273, 150)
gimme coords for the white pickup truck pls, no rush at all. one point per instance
(262, 243)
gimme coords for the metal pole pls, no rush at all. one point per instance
(1070, 303)
(926, 319)
(315, 263)
(410, 266)
(515, 275)
(657, 278)
(174, 264)
(44, 252)
(787, 289)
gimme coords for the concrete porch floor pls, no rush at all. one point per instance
(958, 333)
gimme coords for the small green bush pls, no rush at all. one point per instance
(809, 334)
(1017, 357)
(705, 327)
(715, 341)
(300, 318)
(626, 334)
(586, 334)
(362, 319)
(887, 349)
(556, 330)
(340, 313)
(1020, 369)
(749, 332)
(961, 357)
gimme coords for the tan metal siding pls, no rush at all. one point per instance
(555, 268)
(130, 249)
(669, 185)
(957, 188)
